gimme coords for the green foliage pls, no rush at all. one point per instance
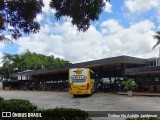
(17, 105)
(38, 61)
(64, 114)
(24, 106)
(157, 37)
(20, 16)
(4, 72)
(1, 98)
(27, 61)
(7, 68)
(129, 84)
(82, 12)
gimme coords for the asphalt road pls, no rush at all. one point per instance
(96, 102)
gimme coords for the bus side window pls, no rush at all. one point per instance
(92, 75)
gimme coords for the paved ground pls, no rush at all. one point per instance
(96, 102)
(140, 93)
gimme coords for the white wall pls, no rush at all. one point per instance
(23, 77)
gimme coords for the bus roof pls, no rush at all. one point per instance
(83, 68)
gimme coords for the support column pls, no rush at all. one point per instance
(149, 79)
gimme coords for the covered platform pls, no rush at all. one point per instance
(148, 77)
(110, 74)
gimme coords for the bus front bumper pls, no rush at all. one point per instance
(80, 92)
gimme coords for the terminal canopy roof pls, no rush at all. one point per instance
(143, 70)
(89, 64)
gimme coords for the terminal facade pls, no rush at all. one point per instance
(110, 74)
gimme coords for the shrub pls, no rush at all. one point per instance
(24, 106)
(1, 99)
(17, 105)
(129, 84)
(64, 114)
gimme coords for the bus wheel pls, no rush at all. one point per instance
(75, 96)
(92, 91)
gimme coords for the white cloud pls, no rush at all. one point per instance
(111, 26)
(64, 41)
(136, 40)
(2, 45)
(40, 17)
(108, 7)
(56, 55)
(46, 9)
(43, 42)
(110, 39)
(139, 6)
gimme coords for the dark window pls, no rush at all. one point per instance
(147, 63)
(91, 75)
(154, 64)
(151, 63)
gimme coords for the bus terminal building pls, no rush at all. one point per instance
(110, 74)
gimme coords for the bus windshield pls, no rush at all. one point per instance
(78, 76)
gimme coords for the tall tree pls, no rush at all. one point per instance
(157, 37)
(7, 67)
(7, 59)
(18, 63)
(27, 61)
(4, 74)
(17, 17)
(82, 12)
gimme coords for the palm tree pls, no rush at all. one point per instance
(18, 63)
(7, 61)
(157, 36)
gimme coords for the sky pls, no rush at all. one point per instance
(125, 27)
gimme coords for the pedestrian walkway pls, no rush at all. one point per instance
(140, 93)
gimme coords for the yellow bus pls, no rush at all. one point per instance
(81, 81)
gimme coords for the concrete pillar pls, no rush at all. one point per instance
(1, 85)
